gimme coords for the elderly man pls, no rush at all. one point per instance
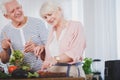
(22, 33)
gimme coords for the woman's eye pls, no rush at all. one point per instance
(45, 17)
(49, 14)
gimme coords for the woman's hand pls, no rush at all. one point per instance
(29, 47)
(38, 50)
(47, 64)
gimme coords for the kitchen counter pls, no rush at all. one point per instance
(49, 79)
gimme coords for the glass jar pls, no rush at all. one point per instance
(96, 65)
(96, 69)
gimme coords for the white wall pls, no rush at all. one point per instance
(118, 26)
(3, 21)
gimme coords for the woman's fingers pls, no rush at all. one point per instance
(38, 50)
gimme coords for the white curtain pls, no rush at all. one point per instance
(100, 24)
(118, 26)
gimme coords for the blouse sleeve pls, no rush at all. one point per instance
(47, 56)
(77, 43)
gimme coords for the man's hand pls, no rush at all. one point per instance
(29, 47)
(6, 44)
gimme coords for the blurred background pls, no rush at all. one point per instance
(101, 21)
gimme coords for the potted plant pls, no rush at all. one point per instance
(87, 68)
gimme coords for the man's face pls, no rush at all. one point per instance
(14, 11)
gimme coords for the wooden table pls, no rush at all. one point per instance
(49, 79)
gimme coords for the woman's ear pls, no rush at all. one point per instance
(59, 8)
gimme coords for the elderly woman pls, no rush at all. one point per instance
(66, 42)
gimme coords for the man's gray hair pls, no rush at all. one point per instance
(2, 6)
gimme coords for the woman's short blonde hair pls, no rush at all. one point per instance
(49, 5)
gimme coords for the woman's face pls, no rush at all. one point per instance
(53, 17)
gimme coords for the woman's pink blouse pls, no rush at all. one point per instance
(73, 42)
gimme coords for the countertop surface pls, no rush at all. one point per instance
(48, 79)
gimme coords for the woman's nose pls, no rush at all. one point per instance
(48, 19)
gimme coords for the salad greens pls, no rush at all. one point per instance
(17, 59)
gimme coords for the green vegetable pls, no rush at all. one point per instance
(17, 59)
(4, 75)
(87, 65)
(24, 67)
(31, 75)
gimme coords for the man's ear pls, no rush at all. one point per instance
(6, 16)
